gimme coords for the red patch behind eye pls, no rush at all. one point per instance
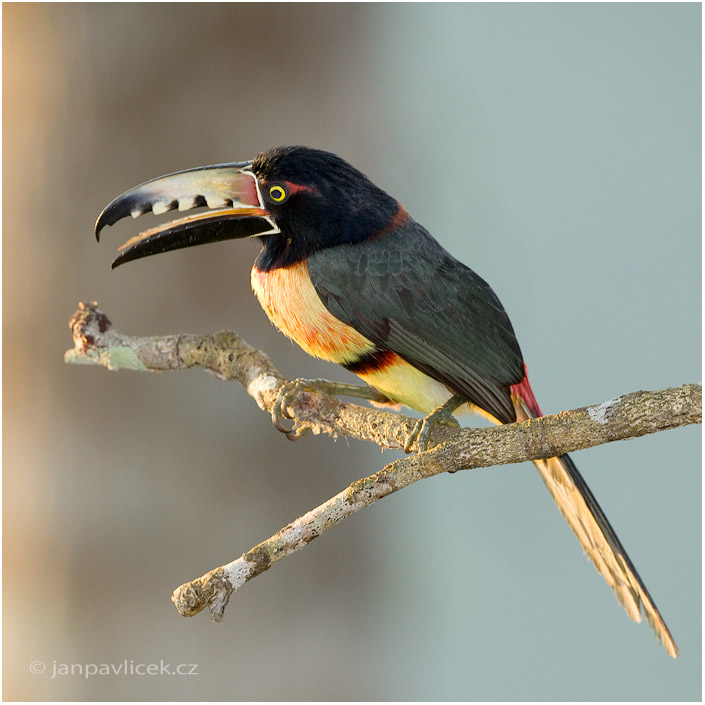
(296, 188)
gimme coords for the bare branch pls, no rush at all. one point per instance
(230, 358)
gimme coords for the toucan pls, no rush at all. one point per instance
(350, 276)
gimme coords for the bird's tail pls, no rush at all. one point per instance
(597, 537)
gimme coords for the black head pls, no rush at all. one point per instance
(296, 199)
(318, 200)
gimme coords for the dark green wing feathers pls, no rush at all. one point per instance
(406, 294)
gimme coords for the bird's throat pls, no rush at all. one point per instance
(290, 301)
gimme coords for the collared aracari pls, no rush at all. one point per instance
(346, 273)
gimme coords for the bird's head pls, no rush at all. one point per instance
(298, 200)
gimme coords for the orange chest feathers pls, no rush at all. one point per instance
(288, 297)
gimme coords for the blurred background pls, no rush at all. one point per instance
(555, 148)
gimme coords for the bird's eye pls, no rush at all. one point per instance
(277, 193)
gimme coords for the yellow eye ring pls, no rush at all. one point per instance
(277, 193)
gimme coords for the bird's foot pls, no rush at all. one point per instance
(442, 415)
(289, 390)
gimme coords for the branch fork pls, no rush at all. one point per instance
(230, 358)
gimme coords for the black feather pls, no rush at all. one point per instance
(406, 294)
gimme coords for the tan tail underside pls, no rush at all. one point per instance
(599, 541)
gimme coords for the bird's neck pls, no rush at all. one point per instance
(280, 250)
(292, 245)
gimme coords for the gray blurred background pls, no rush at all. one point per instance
(555, 148)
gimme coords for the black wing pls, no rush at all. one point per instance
(406, 294)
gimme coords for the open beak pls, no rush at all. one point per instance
(230, 191)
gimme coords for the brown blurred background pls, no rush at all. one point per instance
(554, 148)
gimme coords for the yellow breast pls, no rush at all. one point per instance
(290, 300)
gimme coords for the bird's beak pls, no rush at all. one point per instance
(230, 191)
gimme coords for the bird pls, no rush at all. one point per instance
(352, 278)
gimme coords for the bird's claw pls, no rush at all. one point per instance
(287, 392)
(423, 427)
